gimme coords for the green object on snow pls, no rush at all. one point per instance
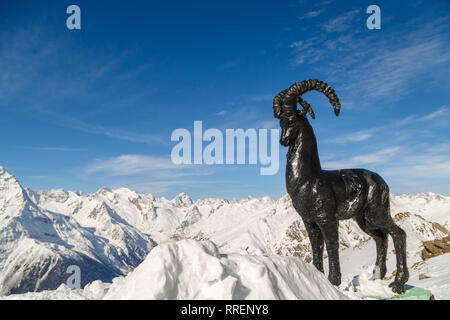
(411, 293)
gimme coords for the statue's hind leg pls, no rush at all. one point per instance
(381, 240)
(380, 218)
(402, 275)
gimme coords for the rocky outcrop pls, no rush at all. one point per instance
(435, 248)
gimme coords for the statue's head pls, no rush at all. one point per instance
(290, 127)
(292, 119)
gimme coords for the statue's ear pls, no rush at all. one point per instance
(306, 107)
(302, 113)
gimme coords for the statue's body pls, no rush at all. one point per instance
(323, 197)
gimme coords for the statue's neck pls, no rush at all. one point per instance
(303, 157)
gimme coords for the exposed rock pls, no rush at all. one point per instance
(423, 276)
(435, 248)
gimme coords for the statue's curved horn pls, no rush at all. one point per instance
(279, 100)
(277, 104)
(292, 96)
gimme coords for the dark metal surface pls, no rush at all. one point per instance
(323, 197)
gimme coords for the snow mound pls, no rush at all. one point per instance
(190, 269)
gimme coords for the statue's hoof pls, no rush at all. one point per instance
(397, 287)
(335, 280)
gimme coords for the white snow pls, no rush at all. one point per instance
(438, 271)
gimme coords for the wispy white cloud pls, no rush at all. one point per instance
(406, 120)
(341, 22)
(145, 166)
(414, 167)
(144, 173)
(131, 164)
(420, 165)
(373, 66)
(311, 14)
(388, 72)
(61, 149)
(443, 111)
(375, 158)
(421, 169)
(110, 132)
(306, 50)
(354, 137)
(35, 60)
(319, 8)
(429, 170)
(36, 79)
(358, 136)
(440, 148)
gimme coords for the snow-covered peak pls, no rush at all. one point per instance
(182, 200)
(12, 196)
(5, 176)
(431, 206)
(126, 192)
(103, 190)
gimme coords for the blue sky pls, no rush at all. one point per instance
(96, 107)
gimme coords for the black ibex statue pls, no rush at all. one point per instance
(323, 197)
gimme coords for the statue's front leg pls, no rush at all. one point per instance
(330, 233)
(317, 244)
